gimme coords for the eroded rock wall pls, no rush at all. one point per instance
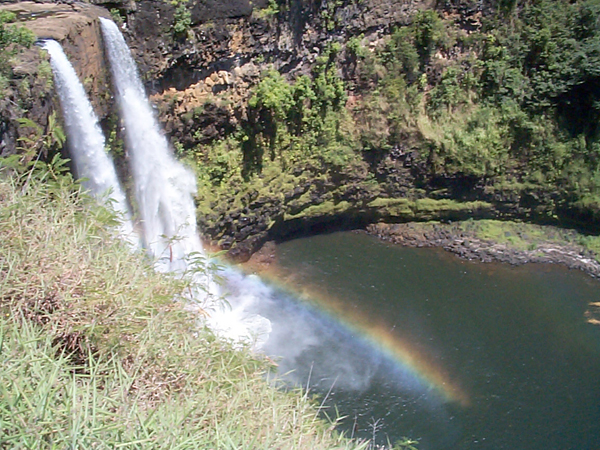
(30, 94)
(230, 43)
(200, 60)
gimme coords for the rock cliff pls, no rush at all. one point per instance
(76, 27)
(304, 115)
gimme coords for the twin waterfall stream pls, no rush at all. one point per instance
(163, 187)
(85, 137)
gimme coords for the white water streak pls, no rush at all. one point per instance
(164, 191)
(85, 139)
(163, 186)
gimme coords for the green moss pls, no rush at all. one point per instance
(431, 205)
(271, 10)
(327, 208)
(393, 206)
(425, 209)
(527, 236)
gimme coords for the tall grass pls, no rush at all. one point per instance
(95, 353)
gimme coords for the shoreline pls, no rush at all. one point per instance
(465, 240)
(483, 240)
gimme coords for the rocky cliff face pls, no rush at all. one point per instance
(230, 43)
(201, 81)
(223, 50)
(29, 94)
(203, 60)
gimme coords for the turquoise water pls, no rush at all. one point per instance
(418, 343)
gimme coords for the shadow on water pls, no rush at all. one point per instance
(415, 342)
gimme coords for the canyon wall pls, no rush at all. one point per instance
(303, 116)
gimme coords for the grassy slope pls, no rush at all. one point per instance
(94, 352)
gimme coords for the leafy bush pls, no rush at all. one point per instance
(305, 117)
(429, 33)
(271, 10)
(182, 17)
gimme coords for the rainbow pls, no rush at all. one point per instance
(410, 357)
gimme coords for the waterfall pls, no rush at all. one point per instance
(85, 139)
(163, 186)
(164, 191)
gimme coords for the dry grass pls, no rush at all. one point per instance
(95, 353)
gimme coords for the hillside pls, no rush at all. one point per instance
(296, 117)
(96, 351)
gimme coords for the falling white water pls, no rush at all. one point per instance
(164, 191)
(163, 187)
(85, 138)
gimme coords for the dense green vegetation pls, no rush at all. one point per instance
(521, 105)
(95, 352)
(511, 107)
(515, 101)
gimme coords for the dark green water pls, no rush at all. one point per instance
(514, 340)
